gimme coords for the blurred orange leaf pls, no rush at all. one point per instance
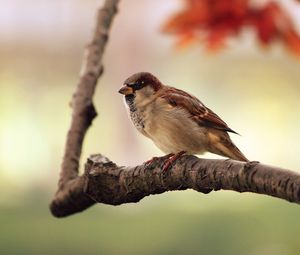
(214, 21)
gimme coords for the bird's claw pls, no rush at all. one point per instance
(171, 159)
(166, 157)
(148, 162)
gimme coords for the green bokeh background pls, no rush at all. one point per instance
(256, 91)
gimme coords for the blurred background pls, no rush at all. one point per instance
(256, 91)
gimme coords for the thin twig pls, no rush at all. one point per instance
(83, 109)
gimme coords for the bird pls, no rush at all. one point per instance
(177, 122)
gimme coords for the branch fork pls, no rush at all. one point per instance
(105, 182)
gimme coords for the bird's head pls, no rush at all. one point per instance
(140, 86)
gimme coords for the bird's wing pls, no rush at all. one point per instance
(199, 112)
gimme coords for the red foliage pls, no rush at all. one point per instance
(213, 21)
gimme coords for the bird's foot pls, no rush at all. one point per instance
(171, 159)
(148, 162)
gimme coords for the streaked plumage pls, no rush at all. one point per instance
(175, 120)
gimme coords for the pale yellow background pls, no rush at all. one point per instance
(255, 90)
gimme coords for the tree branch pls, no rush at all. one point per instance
(83, 110)
(105, 182)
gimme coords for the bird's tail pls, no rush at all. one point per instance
(231, 152)
(225, 147)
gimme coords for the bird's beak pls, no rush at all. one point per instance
(126, 90)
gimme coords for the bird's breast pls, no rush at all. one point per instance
(172, 130)
(136, 115)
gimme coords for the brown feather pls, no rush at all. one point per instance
(177, 121)
(199, 112)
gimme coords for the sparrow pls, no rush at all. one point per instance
(176, 121)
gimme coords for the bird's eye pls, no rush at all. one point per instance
(137, 85)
